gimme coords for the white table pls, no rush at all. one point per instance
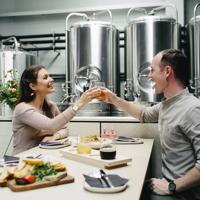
(135, 171)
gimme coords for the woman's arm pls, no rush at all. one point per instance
(28, 115)
(63, 133)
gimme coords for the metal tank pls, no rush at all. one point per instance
(146, 35)
(194, 44)
(91, 55)
(12, 58)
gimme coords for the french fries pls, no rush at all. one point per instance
(6, 174)
(58, 166)
(36, 162)
(26, 170)
(90, 138)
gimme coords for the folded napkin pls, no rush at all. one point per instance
(129, 139)
(51, 143)
(54, 143)
(10, 159)
(115, 179)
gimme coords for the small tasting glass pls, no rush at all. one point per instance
(97, 84)
(83, 147)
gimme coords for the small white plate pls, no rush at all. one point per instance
(105, 190)
(99, 144)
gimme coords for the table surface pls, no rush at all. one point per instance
(135, 171)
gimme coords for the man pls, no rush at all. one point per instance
(178, 118)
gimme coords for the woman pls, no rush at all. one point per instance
(34, 117)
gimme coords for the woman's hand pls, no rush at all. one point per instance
(51, 138)
(87, 96)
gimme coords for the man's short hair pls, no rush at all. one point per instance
(179, 63)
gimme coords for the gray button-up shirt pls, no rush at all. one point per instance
(179, 126)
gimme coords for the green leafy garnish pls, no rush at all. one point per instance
(43, 170)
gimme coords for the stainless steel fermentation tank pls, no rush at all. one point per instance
(194, 43)
(146, 35)
(14, 59)
(91, 55)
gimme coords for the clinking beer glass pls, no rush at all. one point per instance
(99, 84)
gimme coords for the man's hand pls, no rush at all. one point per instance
(160, 186)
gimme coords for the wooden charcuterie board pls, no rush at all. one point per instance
(94, 159)
(40, 184)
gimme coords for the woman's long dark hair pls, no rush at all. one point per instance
(26, 94)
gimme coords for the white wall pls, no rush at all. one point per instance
(7, 6)
(5, 137)
(85, 5)
(51, 23)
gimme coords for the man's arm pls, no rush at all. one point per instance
(131, 108)
(189, 180)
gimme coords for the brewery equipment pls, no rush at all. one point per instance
(14, 60)
(91, 54)
(194, 43)
(146, 35)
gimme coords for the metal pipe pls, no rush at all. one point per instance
(54, 41)
(43, 48)
(196, 52)
(48, 42)
(135, 9)
(101, 12)
(41, 41)
(14, 40)
(152, 12)
(58, 76)
(62, 76)
(37, 42)
(33, 36)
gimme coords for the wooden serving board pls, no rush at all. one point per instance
(40, 184)
(94, 159)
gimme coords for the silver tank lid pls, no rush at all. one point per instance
(92, 23)
(154, 18)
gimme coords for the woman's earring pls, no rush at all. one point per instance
(32, 93)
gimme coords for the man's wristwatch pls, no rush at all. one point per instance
(75, 108)
(172, 187)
